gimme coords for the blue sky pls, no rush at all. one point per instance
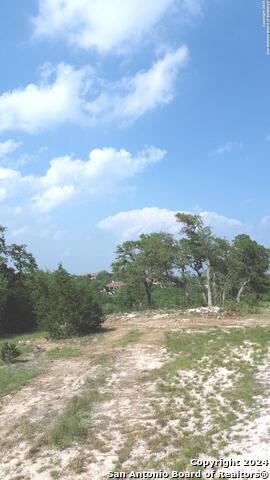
(115, 115)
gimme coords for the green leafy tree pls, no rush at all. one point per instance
(23, 261)
(179, 274)
(249, 263)
(68, 308)
(202, 247)
(145, 262)
(19, 309)
(221, 270)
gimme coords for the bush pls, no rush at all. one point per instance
(68, 309)
(9, 352)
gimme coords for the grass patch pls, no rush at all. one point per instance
(131, 337)
(239, 351)
(63, 352)
(104, 359)
(72, 424)
(24, 337)
(192, 347)
(14, 377)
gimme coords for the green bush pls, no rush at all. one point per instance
(68, 308)
(9, 352)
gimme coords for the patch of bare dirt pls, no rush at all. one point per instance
(125, 417)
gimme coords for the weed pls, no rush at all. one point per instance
(14, 377)
(72, 423)
(9, 352)
(130, 337)
(63, 352)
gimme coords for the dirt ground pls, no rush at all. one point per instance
(123, 431)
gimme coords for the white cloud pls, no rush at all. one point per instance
(52, 198)
(106, 25)
(17, 232)
(67, 177)
(226, 148)
(131, 224)
(219, 221)
(8, 147)
(51, 102)
(66, 95)
(265, 221)
(133, 97)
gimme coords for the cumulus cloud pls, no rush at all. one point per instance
(56, 99)
(52, 197)
(8, 147)
(226, 148)
(106, 25)
(131, 224)
(133, 97)
(65, 95)
(67, 177)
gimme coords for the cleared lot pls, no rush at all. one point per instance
(149, 392)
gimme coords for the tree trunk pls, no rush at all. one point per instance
(240, 291)
(202, 284)
(209, 289)
(223, 296)
(214, 289)
(148, 290)
(185, 288)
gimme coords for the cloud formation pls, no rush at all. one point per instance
(65, 95)
(106, 25)
(226, 148)
(67, 177)
(131, 224)
(132, 97)
(55, 100)
(7, 147)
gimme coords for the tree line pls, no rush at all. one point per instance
(31, 298)
(218, 269)
(158, 270)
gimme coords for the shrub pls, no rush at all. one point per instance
(9, 352)
(69, 309)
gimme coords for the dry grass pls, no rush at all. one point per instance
(156, 392)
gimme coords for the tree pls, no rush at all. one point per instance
(19, 308)
(23, 261)
(145, 262)
(202, 247)
(179, 274)
(249, 263)
(68, 308)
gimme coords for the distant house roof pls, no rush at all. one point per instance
(114, 284)
(88, 275)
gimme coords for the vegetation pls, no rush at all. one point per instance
(31, 298)
(130, 337)
(63, 352)
(67, 308)
(13, 379)
(157, 270)
(9, 352)
(71, 423)
(236, 393)
(204, 268)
